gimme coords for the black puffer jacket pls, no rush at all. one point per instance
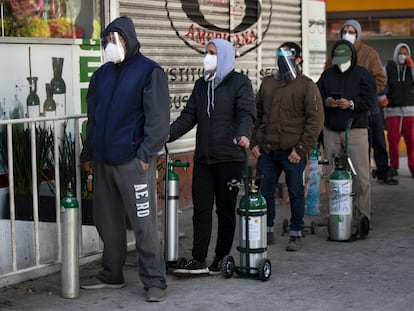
(233, 115)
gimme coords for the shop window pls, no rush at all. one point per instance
(51, 18)
(376, 27)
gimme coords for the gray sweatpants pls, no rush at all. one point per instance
(121, 189)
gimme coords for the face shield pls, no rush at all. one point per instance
(114, 47)
(285, 62)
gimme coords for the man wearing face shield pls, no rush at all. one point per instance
(289, 121)
(348, 94)
(286, 64)
(222, 106)
(128, 124)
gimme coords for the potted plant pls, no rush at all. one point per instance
(4, 183)
(22, 167)
(67, 168)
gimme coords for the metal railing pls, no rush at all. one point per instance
(16, 231)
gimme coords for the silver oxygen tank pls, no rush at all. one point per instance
(340, 205)
(172, 199)
(70, 245)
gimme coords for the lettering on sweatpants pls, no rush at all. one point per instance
(142, 202)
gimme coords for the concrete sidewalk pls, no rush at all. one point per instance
(372, 274)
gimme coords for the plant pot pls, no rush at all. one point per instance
(47, 209)
(87, 206)
(4, 180)
(24, 208)
(4, 202)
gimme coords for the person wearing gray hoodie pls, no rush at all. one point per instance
(223, 108)
(399, 113)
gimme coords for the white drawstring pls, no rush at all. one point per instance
(210, 101)
(403, 75)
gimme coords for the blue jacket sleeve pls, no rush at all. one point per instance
(87, 152)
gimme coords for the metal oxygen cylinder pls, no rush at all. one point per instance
(341, 195)
(253, 213)
(171, 215)
(340, 202)
(171, 210)
(253, 235)
(70, 245)
(314, 183)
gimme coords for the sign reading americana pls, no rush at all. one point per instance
(198, 21)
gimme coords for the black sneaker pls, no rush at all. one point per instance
(193, 267)
(389, 181)
(387, 176)
(295, 244)
(155, 294)
(394, 171)
(215, 267)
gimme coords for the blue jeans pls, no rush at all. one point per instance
(270, 166)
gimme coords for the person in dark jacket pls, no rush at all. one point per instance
(128, 124)
(348, 93)
(222, 106)
(368, 57)
(289, 121)
(399, 114)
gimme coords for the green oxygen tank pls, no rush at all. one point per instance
(253, 234)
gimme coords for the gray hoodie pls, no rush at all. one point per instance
(225, 65)
(395, 59)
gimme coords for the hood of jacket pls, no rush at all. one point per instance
(225, 58)
(354, 59)
(355, 25)
(225, 65)
(397, 51)
(126, 28)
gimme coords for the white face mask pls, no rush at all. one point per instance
(349, 37)
(345, 66)
(401, 59)
(210, 62)
(114, 53)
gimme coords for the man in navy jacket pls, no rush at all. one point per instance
(128, 124)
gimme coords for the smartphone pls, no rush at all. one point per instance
(336, 95)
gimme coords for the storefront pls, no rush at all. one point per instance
(49, 50)
(173, 32)
(47, 45)
(384, 23)
(37, 34)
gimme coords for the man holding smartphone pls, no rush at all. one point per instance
(367, 57)
(348, 93)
